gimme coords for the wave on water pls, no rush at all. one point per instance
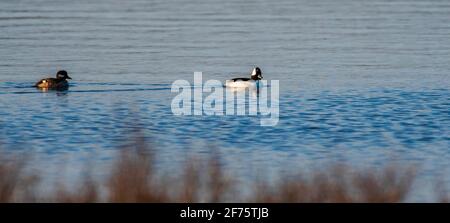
(27, 88)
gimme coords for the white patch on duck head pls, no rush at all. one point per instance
(254, 72)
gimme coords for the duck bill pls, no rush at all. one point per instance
(69, 77)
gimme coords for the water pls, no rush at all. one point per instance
(365, 82)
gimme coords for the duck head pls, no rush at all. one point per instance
(256, 74)
(62, 74)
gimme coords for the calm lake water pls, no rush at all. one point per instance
(365, 82)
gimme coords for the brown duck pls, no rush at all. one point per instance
(58, 83)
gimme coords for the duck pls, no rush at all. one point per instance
(243, 82)
(58, 83)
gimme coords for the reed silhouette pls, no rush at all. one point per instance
(134, 177)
